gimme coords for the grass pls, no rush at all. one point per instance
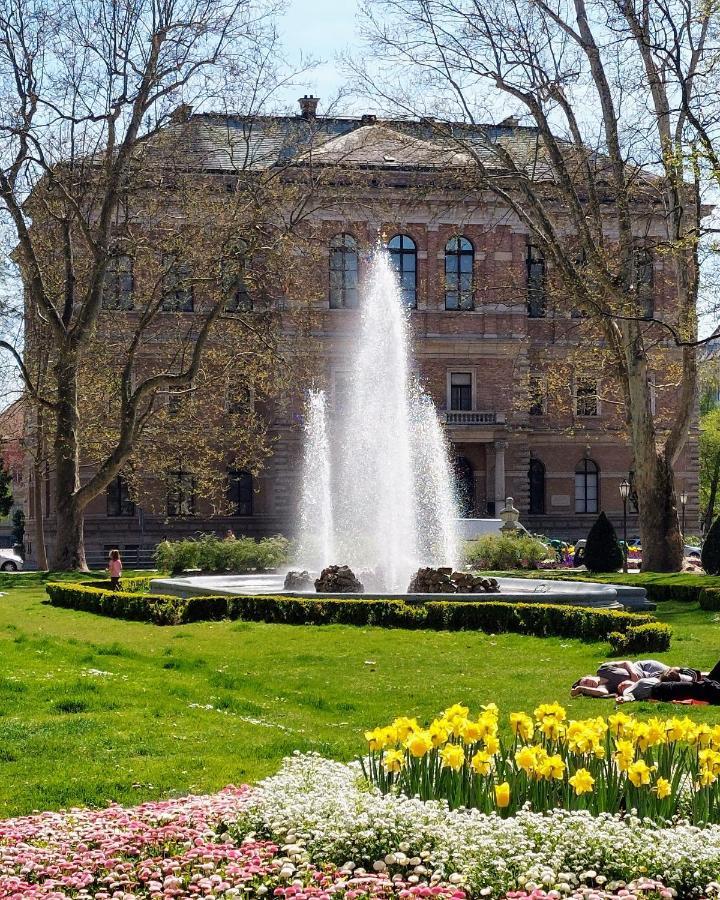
(94, 710)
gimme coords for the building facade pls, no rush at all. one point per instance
(517, 377)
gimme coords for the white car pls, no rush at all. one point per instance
(9, 560)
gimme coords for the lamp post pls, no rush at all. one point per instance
(683, 501)
(625, 493)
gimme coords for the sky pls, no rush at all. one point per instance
(320, 29)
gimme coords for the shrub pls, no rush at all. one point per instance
(602, 551)
(500, 551)
(640, 638)
(710, 598)
(538, 619)
(710, 554)
(211, 554)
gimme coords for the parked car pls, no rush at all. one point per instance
(10, 561)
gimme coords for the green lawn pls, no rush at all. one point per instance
(94, 710)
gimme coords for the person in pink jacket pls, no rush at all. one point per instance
(115, 569)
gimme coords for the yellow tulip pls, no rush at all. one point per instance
(502, 795)
(582, 781)
(419, 743)
(452, 756)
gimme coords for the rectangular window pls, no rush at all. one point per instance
(461, 391)
(537, 306)
(118, 498)
(644, 286)
(586, 397)
(180, 494)
(177, 288)
(240, 492)
(537, 396)
(118, 284)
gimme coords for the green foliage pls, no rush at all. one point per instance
(6, 497)
(210, 554)
(652, 636)
(660, 587)
(602, 551)
(709, 452)
(500, 551)
(710, 555)
(710, 599)
(539, 619)
(18, 529)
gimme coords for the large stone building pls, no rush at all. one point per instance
(512, 369)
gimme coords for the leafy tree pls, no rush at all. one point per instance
(710, 556)
(602, 551)
(709, 465)
(18, 529)
(589, 187)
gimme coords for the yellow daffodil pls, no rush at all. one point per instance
(456, 711)
(393, 760)
(639, 773)
(526, 758)
(502, 795)
(552, 767)
(439, 732)
(624, 754)
(582, 781)
(452, 756)
(481, 762)
(522, 725)
(419, 743)
(552, 727)
(404, 726)
(553, 710)
(707, 777)
(492, 745)
(620, 724)
(472, 731)
(662, 788)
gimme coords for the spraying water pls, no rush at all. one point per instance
(317, 534)
(378, 495)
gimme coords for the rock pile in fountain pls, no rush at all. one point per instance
(338, 580)
(445, 581)
(298, 581)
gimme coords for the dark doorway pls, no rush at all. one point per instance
(537, 487)
(465, 487)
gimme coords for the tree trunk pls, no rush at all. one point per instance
(662, 542)
(69, 550)
(39, 530)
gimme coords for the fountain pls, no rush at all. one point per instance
(386, 502)
(377, 490)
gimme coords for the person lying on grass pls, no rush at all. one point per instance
(674, 685)
(614, 678)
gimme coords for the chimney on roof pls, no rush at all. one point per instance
(368, 119)
(510, 122)
(308, 106)
(181, 114)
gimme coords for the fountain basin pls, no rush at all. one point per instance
(512, 590)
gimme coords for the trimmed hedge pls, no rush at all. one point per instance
(641, 638)
(710, 598)
(495, 617)
(210, 554)
(659, 588)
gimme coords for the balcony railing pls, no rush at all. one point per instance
(456, 417)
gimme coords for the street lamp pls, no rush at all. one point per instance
(625, 493)
(683, 501)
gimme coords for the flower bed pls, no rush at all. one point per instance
(315, 830)
(654, 766)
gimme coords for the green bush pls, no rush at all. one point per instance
(602, 550)
(500, 551)
(538, 619)
(710, 599)
(210, 554)
(710, 554)
(653, 636)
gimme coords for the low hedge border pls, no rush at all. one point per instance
(539, 619)
(659, 588)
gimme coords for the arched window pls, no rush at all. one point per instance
(403, 255)
(536, 477)
(535, 263)
(459, 258)
(343, 272)
(586, 486)
(464, 486)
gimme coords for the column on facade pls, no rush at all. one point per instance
(500, 448)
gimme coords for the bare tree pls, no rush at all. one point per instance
(623, 99)
(89, 152)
